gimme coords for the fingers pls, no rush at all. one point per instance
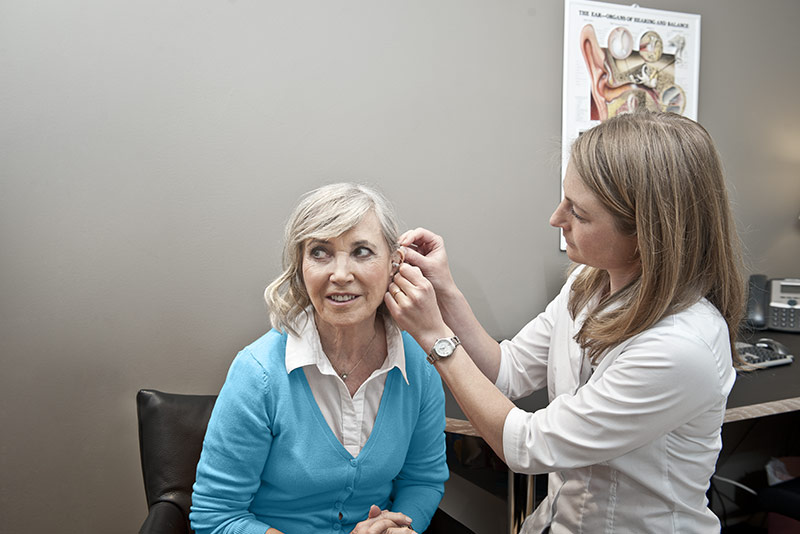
(408, 281)
(382, 526)
(411, 300)
(414, 236)
(422, 240)
(391, 305)
(410, 275)
(395, 291)
(425, 250)
(382, 521)
(413, 257)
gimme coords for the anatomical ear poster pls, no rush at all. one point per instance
(621, 59)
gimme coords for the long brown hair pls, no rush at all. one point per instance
(660, 176)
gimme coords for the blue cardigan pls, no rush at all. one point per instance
(270, 459)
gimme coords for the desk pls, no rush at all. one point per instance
(767, 391)
(755, 394)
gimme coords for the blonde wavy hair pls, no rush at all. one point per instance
(660, 176)
(323, 213)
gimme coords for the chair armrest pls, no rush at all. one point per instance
(165, 518)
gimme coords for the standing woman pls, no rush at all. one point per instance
(636, 350)
(333, 421)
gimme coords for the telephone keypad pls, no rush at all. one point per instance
(784, 318)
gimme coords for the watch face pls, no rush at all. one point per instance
(444, 347)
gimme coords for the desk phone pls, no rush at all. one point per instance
(774, 304)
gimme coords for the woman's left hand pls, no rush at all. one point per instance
(411, 300)
(383, 522)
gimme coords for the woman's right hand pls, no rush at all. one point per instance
(412, 302)
(425, 250)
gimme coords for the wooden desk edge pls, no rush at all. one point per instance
(460, 426)
(761, 410)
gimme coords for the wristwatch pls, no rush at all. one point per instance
(443, 348)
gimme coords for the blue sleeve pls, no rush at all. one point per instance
(419, 487)
(235, 451)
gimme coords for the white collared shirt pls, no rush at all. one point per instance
(350, 418)
(631, 447)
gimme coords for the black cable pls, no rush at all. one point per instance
(721, 462)
(748, 516)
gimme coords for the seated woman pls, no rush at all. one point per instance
(333, 421)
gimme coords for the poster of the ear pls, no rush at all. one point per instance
(622, 59)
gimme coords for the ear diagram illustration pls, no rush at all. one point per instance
(630, 74)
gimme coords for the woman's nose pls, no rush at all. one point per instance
(342, 271)
(557, 218)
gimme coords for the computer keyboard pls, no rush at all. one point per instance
(762, 357)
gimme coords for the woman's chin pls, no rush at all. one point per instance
(572, 254)
(338, 316)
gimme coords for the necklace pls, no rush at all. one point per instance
(345, 374)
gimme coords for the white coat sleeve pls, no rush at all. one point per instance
(523, 360)
(658, 382)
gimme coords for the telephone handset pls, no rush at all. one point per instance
(774, 304)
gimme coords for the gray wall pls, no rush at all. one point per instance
(150, 152)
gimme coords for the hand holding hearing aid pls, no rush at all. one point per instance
(425, 250)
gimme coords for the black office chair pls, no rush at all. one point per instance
(782, 498)
(171, 431)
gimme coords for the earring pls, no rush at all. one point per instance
(395, 265)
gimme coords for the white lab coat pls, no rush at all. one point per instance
(631, 444)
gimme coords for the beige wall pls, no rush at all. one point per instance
(149, 152)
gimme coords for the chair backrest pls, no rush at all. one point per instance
(171, 432)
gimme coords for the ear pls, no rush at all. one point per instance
(595, 59)
(397, 257)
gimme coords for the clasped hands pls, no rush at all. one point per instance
(384, 522)
(377, 522)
